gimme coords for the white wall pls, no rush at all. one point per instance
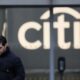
(25, 2)
(68, 2)
(38, 2)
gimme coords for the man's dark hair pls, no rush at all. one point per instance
(3, 40)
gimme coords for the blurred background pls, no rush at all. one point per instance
(32, 30)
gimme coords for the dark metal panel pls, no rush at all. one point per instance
(32, 59)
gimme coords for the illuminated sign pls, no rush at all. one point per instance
(61, 25)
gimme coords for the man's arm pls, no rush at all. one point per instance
(19, 70)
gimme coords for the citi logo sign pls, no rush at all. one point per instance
(61, 25)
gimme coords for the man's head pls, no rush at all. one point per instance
(3, 44)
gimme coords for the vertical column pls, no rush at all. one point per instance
(2, 19)
(52, 46)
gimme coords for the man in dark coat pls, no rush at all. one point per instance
(11, 67)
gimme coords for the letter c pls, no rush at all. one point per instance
(22, 39)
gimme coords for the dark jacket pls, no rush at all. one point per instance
(11, 67)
